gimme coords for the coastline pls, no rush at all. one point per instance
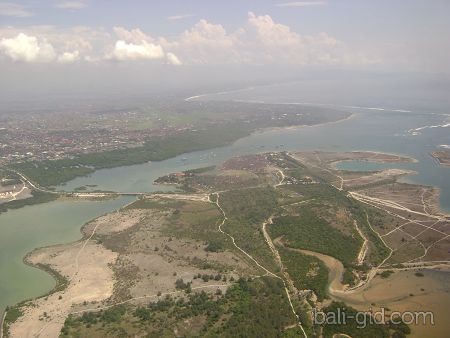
(401, 159)
(61, 282)
(2, 321)
(436, 191)
(437, 206)
(56, 276)
(59, 279)
(441, 157)
(301, 126)
(262, 131)
(60, 285)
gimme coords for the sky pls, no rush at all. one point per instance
(405, 34)
(41, 39)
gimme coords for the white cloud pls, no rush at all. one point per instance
(172, 59)
(15, 10)
(135, 35)
(302, 4)
(261, 40)
(269, 42)
(203, 43)
(69, 57)
(27, 48)
(71, 4)
(144, 51)
(180, 16)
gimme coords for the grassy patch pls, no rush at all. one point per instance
(198, 221)
(386, 273)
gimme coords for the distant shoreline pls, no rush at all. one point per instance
(300, 126)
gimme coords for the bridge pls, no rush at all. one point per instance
(101, 194)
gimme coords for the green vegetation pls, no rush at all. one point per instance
(348, 277)
(378, 251)
(185, 180)
(216, 124)
(181, 285)
(386, 273)
(354, 327)
(309, 231)
(399, 330)
(12, 314)
(15, 312)
(245, 310)
(51, 173)
(38, 198)
(61, 281)
(11, 179)
(200, 170)
(246, 210)
(249, 206)
(252, 308)
(215, 245)
(199, 221)
(306, 271)
(328, 201)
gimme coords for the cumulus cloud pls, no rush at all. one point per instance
(69, 57)
(15, 10)
(261, 40)
(204, 43)
(180, 17)
(135, 35)
(172, 59)
(86, 41)
(27, 48)
(144, 51)
(71, 4)
(276, 42)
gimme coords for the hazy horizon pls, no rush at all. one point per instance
(84, 48)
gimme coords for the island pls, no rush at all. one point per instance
(442, 156)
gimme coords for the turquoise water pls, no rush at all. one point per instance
(30, 227)
(59, 222)
(366, 130)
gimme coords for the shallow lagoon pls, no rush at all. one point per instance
(30, 227)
